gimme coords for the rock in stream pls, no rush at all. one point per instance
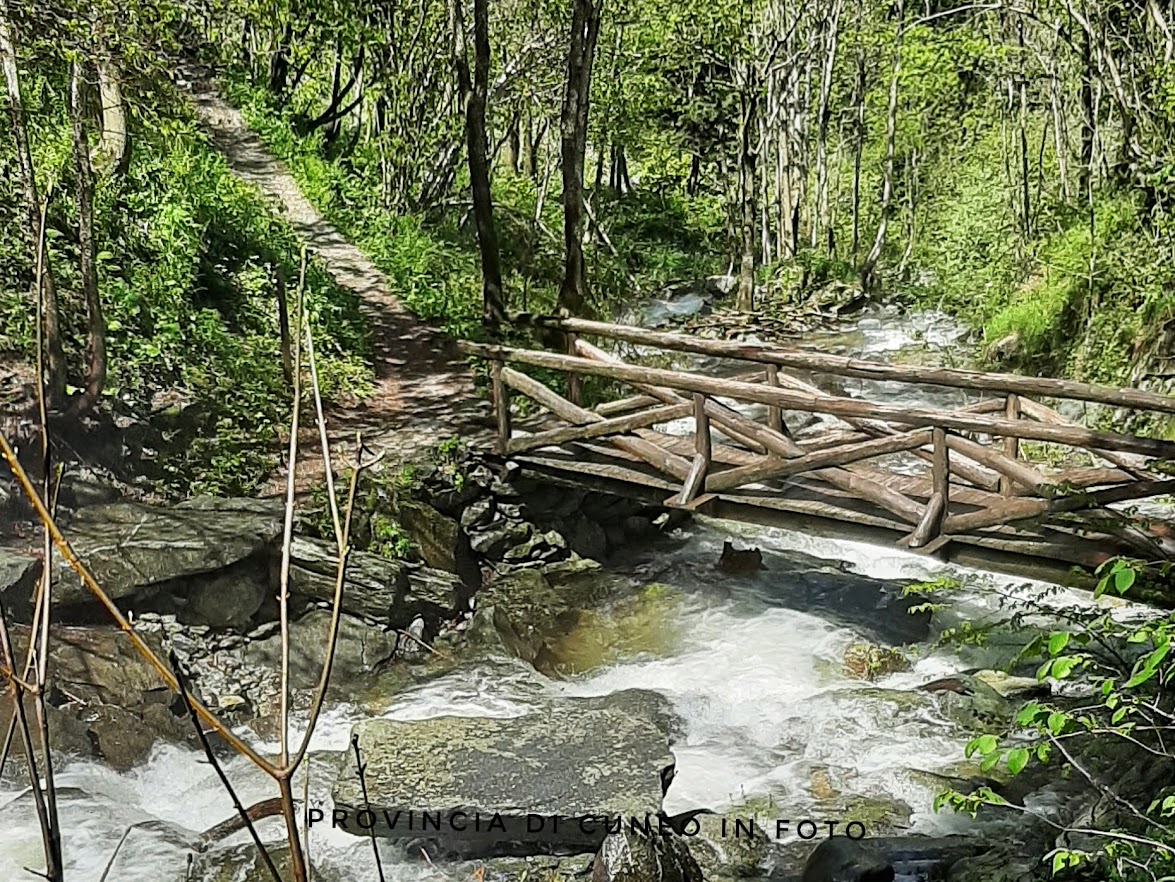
(549, 777)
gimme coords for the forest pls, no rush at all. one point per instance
(1006, 164)
(1005, 170)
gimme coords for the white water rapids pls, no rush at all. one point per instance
(760, 688)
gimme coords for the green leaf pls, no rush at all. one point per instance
(1017, 760)
(1062, 667)
(990, 761)
(1056, 722)
(1117, 717)
(1139, 678)
(1027, 714)
(1058, 641)
(1123, 579)
(103, 255)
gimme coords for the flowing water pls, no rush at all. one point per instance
(752, 665)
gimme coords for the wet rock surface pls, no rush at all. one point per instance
(18, 579)
(131, 548)
(633, 855)
(384, 592)
(573, 759)
(360, 650)
(883, 859)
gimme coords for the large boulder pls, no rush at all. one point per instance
(390, 593)
(634, 854)
(881, 858)
(550, 776)
(968, 701)
(360, 649)
(440, 540)
(879, 606)
(97, 664)
(136, 551)
(18, 580)
(115, 705)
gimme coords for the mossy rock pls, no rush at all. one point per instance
(243, 864)
(867, 661)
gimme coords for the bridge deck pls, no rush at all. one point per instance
(953, 483)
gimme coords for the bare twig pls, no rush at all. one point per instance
(405, 633)
(52, 856)
(118, 848)
(361, 771)
(336, 606)
(258, 811)
(288, 531)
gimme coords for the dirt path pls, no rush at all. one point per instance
(423, 388)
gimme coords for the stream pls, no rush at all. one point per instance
(752, 665)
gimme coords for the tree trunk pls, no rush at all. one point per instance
(95, 378)
(1088, 118)
(858, 145)
(890, 138)
(746, 185)
(513, 145)
(279, 63)
(473, 97)
(1026, 204)
(113, 156)
(54, 353)
(585, 28)
(824, 112)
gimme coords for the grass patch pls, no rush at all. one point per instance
(188, 262)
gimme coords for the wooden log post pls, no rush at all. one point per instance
(501, 407)
(934, 515)
(704, 451)
(1011, 443)
(574, 390)
(940, 467)
(775, 414)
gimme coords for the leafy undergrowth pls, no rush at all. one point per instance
(654, 235)
(188, 267)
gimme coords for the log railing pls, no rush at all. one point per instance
(972, 486)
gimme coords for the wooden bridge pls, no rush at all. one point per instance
(951, 482)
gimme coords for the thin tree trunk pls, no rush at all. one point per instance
(890, 138)
(585, 28)
(1060, 137)
(821, 220)
(113, 155)
(279, 63)
(473, 96)
(1026, 216)
(746, 186)
(858, 146)
(1088, 120)
(95, 378)
(55, 354)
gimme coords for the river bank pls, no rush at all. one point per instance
(791, 692)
